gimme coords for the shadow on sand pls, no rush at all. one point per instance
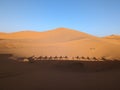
(58, 75)
(8, 67)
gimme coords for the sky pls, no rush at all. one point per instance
(96, 17)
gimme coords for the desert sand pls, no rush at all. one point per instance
(60, 42)
(56, 74)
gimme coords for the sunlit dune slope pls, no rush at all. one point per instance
(56, 35)
(58, 42)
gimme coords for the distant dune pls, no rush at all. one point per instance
(60, 42)
(113, 39)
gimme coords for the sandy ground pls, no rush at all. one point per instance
(59, 75)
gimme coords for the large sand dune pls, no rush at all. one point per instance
(60, 42)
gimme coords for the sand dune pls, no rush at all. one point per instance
(113, 39)
(60, 42)
(56, 35)
(117, 37)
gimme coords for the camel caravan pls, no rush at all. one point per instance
(34, 58)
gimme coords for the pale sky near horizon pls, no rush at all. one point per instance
(96, 17)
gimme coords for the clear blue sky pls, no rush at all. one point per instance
(96, 17)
